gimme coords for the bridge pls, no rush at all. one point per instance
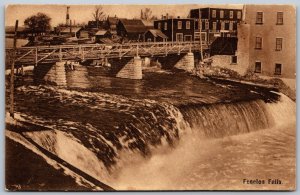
(59, 54)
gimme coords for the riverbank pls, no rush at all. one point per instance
(285, 86)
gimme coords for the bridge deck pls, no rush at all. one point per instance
(47, 54)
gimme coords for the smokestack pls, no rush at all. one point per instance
(67, 16)
(71, 27)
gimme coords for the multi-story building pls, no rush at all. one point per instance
(269, 45)
(176, 29)
(215, 22)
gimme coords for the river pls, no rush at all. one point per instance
(169, 131)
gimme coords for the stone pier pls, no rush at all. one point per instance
(57, 74)
(132, 70)
(186, 63)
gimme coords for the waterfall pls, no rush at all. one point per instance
(119, 128)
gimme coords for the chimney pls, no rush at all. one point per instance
(67, 16)
(167, 16)
(178, 17)
(162, 17)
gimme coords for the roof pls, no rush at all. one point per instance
(114, 20)
(157, 33)
(133, 26)
(175, 19)
(101, 32)
(148, 23)
(73, 29)
(106, 40)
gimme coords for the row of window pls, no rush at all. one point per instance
(260, 18)
(222, 26)
(180, 37)
(188, 25)
(214, 14)
(258, 66)
(277, 71)
(259, 41)
(179, 25)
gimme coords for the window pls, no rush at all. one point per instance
(203, 37)
(188, 25)
(222, 14)
(231, 14)
(258, 43)
(214, 13)
(214, 26)
(226, 26)
(149, 40)
(179, 25)
(239, 15)
(259, 17)
(257, 67)
(159, 25)
(278, 44)
(279, 18)
(179, 37)
(233, 59)
(200, 24)
(166, 26)
(206, 25)
(222, 25)
(188, 37)
(277, 69)
(231, 26)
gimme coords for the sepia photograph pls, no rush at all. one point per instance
(165, 97)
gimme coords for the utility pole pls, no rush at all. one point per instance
(12, 72)
(200, 36)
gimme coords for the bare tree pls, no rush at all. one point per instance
(98, 14)
(146, 14)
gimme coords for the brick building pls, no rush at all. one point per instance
(215, 22)
(176, 29)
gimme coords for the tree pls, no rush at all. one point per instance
(146, 14)
(98, 14)
(38, 24)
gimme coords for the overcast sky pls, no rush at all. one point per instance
(83, 13)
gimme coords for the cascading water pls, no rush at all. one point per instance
(199, 162)
(135, 142)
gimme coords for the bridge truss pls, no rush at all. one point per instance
(49, 54)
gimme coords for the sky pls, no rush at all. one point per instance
(83, 13)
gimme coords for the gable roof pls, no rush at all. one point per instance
(148, 23)
(133, 25)
(67, 29)
(157, 33)
(101, 32)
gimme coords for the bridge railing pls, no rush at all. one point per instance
(39, 54)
